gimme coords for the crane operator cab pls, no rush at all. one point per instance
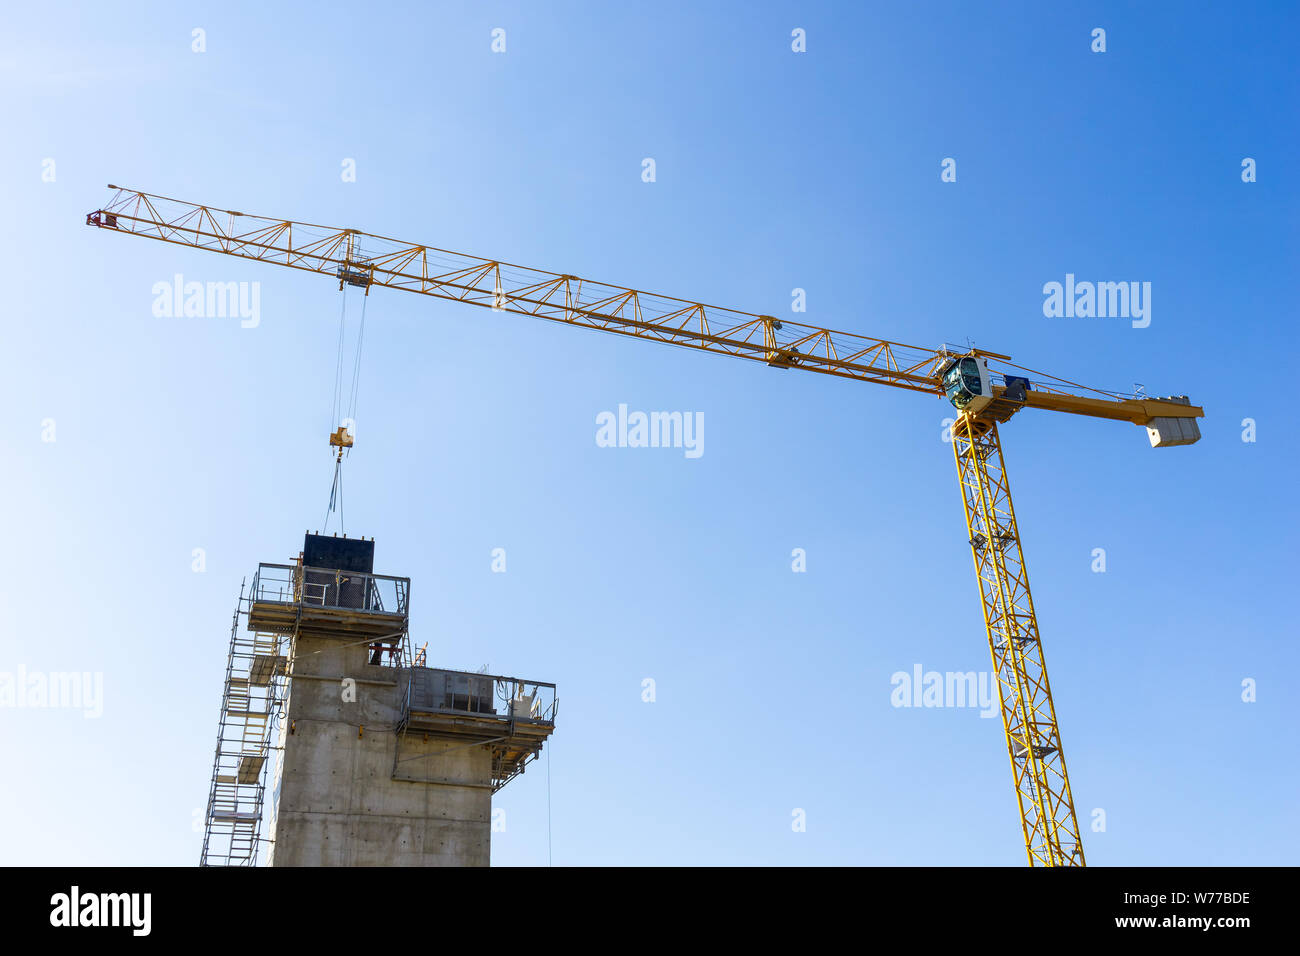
(966, 383)
(969, 386)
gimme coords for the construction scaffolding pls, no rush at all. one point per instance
(284, 601)
(252, 705)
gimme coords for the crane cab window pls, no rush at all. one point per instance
(962, 382)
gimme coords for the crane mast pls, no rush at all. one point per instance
(1047, 817)
(985, 387)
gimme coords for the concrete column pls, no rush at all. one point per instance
(335, 797)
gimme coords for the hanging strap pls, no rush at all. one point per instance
(336, 498)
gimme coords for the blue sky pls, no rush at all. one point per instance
(775, 170)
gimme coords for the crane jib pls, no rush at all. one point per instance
(363, 260)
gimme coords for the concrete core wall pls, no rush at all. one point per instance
(335, 798)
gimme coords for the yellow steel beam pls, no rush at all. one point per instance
(1139, 411)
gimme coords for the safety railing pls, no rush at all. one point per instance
(330, 588)
(463, 693)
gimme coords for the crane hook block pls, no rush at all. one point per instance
(342, 438)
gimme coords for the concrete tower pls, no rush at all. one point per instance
(379, 759)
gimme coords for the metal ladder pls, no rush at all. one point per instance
(251, 705)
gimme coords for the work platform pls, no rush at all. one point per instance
(287, 597)
(513, 717)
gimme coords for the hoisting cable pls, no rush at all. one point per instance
(335, 403)
(340, 434)
(356, 365)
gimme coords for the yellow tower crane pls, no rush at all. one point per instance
(985, 388)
